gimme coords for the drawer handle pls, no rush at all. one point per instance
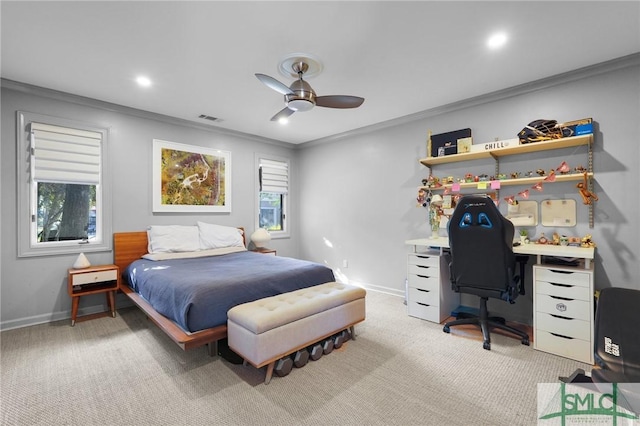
(561, 317)
(423, 290)
(560, 335)
(423, 276)
(423, 257)
(561, 298)
(423, 266)
(561, 272)
(561, 285)
(423, 304)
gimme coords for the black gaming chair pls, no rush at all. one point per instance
(482, 261)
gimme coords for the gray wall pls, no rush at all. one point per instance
(34, 290)
(359, 193)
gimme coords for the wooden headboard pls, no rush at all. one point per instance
(130, 246)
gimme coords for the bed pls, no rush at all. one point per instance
(199, 318)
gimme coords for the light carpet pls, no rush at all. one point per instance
(399, 371)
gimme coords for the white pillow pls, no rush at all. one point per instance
(193, 254)
(173, 239)
(218, 236)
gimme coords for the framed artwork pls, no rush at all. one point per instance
(189, 178)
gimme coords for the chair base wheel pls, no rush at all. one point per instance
(486, 345)
(525, 341)
(446, 329)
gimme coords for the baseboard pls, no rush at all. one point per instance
(378, 289)
(58, 316)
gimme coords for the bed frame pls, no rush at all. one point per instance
(131, 246)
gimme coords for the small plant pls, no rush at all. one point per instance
(523, 233)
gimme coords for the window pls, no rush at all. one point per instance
(62, 196)
(273, 190)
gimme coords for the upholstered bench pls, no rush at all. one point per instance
(265, 330)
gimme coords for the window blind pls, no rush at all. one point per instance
(65, 155)
(274, 176)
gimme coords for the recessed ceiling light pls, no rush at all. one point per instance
(283, 120)
(143, 81)
(497, 40)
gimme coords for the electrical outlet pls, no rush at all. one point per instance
(345, 263)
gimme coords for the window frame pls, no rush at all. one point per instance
(26, 187)
(286, 211)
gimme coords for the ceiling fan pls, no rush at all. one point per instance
(301, 97)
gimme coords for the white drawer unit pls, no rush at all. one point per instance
(563, 313)
(429, 294)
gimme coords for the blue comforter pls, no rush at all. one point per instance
(196, 293)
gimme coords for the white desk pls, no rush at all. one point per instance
(533, 249)
(563, 304)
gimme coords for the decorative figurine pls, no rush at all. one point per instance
(529, 174)
(541, 172)
(515, 175)
(580, 169)
(423, 200)
(431, 182)
(542, 239)
(468, 177)
(587, 242)
(587, 196)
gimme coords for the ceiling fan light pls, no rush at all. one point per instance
(300, 105)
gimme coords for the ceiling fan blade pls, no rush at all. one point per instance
(339, 101)
(274, 84)
(284, 113)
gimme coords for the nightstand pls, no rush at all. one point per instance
(265, 250)
(93, 280)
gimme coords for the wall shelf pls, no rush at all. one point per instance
(511, 150)
(518, 181)
(498, 153)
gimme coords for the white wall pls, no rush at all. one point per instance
(34, 290)
(359, 192)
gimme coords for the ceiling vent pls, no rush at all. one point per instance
(209, 117)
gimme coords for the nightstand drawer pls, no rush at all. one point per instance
(424, 259)
(562, 276)
(576, 328)
(425, 283)
(424, 311)
(580, 350)
(427, 297)
(568, 291)
(94, 277)
(580, 309)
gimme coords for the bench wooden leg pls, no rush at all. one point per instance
(267, 378)
(352, 331)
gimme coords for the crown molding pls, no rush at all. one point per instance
(117, 108)
(533, 86)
